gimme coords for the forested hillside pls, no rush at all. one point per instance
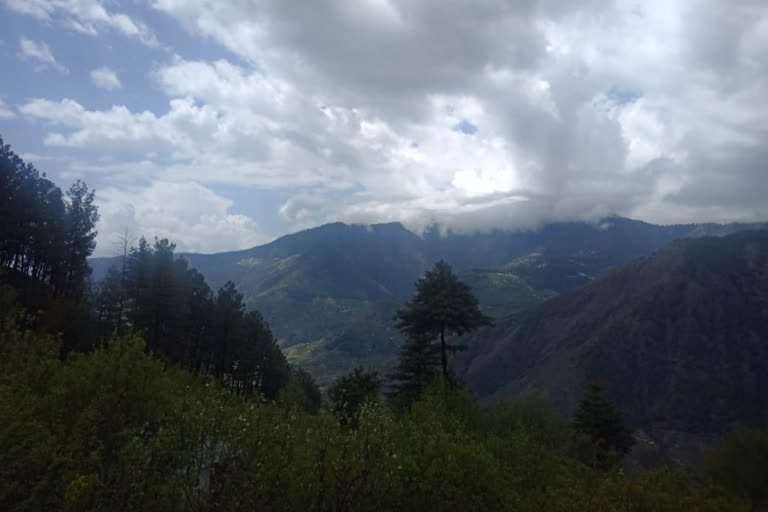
(678, 336)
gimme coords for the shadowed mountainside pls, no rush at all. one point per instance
(680, 339)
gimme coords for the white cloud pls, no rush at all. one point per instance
(105, 78)
(40, 52)
(582, 109)
(187, 213)
(577, 102)
(86, 16)
(5, 111)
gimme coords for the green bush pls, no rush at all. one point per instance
(117, 430)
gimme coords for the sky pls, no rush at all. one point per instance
(224, 124)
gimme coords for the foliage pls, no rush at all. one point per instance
(417, 366)
(442, 304)
(43, 233)
(312, 398)
(45, 239)
(156, 294)
(737, 465)
(353, 390)
(601, 436)
(115, 429)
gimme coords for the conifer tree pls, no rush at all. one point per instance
(81, 218)
(417, 365)
(598, 419)
(442, 305)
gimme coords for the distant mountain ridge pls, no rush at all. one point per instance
(391, 249)
(317, 285)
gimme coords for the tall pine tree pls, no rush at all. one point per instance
(81, 218)
(442, 305)
(418, 364)
(598, 420)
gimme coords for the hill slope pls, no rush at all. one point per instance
(680, 338)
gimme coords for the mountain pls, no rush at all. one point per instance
(329, 293)
(679, 338)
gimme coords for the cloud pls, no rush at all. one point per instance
(187, 213)
(119, 129)
(105, 78)
(86, 16)
(5, 111)
(497, 114)
(586, 108)
(39, 51)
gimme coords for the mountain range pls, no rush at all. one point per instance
(330, 293)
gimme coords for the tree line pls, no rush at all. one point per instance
(45, 234)
(152, 292)
(46, 237)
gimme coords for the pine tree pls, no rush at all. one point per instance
(599, 420)
(228, 316)
(442, 304)
(81, 218)
(107, 301)
(417, 366)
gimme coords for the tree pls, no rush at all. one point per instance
(351, 391)
(42, 235)
(108, 300)
(417, 365)
(124, 243)
(442, 304)
(598, 420)
(155, 293)
(228, 322)
(81, 218)
(312, 398)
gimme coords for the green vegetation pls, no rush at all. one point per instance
(352, 392)
(116, 429)
(598, 421)
(44, 234)
(738, 466)
(155, 294)
(417, 367)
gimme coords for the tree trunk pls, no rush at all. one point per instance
(443, 353)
